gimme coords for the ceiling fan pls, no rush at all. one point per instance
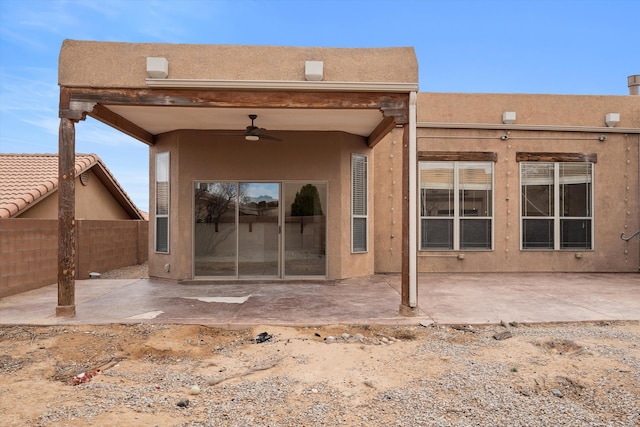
(254, 133)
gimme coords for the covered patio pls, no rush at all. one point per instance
(184, 101)
(459, 299)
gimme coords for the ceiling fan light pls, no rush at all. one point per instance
(251, 137)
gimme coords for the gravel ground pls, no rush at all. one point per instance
(140, 271)
(545, 375)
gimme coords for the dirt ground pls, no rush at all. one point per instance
(365, 375)
(145, 370)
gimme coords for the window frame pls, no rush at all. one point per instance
(556, 217)
(162, 216)
(359, 160)
(457, 160)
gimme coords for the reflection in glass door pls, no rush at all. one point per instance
(215, 234)
(305, 229)
(238, 230)
(259, 229)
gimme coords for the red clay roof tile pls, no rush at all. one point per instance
(26, 178)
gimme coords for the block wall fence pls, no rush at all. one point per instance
(29, 250)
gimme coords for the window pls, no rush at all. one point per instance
(556, 205)
(456, 205)
(162, 202)
(358, 203)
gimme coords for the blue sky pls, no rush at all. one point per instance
(501, 46)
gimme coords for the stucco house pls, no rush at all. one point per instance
(300, 163)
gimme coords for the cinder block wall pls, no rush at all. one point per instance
(105, 245)
(28, 254)
(29, 250)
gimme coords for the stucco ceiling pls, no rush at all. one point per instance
(157, 120)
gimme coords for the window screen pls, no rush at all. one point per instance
(162, 203)
(359, 208)
(556, 205)
(456, 205)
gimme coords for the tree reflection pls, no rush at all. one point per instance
(214, 200)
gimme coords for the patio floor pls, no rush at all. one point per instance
(442, 298)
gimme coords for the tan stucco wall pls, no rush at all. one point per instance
(111, 64)
(93, 201)
(387, 184)
(565, 110)
(202, 156)
(616, 180)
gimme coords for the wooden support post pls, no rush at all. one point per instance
(66, 219)
(404, 304)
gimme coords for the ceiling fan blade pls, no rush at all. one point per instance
(272, 138)
(229, 133)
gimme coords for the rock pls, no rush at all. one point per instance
(503, 335)
(345, 336)
(358, 337)
(262, 338)
(195, 390)
(330, 339)
(557, 393)
(183, 403)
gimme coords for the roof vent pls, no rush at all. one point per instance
(84, 178)
(508, 117)
(157, 68)
(313, 71)
(633, 83)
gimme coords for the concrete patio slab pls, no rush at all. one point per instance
(442, 298)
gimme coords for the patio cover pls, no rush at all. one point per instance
(364, 91)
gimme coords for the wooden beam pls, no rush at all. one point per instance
(457, 156)
(405, 297)
(66, 219)
(383, 128)
(556, 157)
(108, 117)
(395, 104)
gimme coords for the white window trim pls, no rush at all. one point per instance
(456, 218)
(156, 215)
(364, 158)
(556, 211)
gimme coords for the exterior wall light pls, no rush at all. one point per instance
(508, 117)
(612, 119)
(313, 71)
(157, 68)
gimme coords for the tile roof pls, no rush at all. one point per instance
(29, 178)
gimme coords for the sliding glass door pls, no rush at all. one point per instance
(242, 230)
(305, 233)
(259, 229)
(215, 229)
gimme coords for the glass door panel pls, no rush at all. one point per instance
(259, 229)
(215, 229)
(305, 229)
